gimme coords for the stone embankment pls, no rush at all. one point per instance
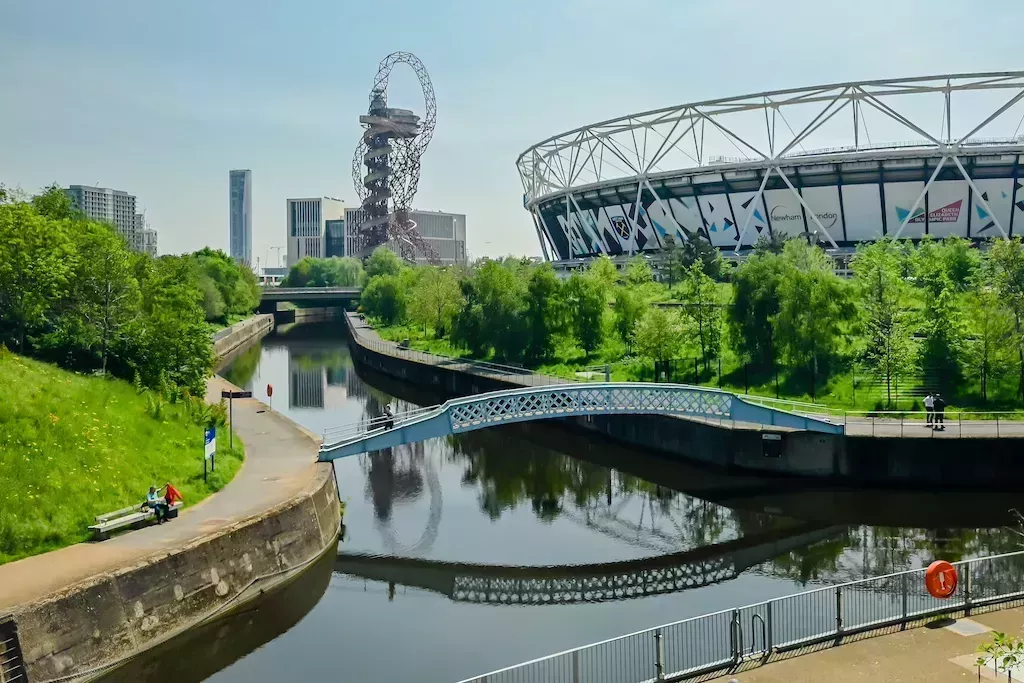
(80, 611)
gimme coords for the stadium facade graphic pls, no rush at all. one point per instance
(841, 164)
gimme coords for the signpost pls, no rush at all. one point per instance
(210, 438)
(270, 395)
(231, 396)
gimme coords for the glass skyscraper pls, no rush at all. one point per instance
(240, 215)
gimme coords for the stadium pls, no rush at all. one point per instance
(837, 164)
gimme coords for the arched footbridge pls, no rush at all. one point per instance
(569, 400)
(571, 584)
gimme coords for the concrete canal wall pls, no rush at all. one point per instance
(115, 615)
(229, 341)
(278, 516)
(883, 461)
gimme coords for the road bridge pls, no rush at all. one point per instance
(571, 584)
(544, 403)
(320, 296)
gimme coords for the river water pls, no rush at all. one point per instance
(407, 598)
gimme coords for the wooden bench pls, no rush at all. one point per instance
(133, 516)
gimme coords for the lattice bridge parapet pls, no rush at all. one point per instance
(569, 400)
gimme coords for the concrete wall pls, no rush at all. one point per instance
(233, 338)
(971, 463)
(114, 615)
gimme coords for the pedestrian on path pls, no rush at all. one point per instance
(940, 410)
(929, 408)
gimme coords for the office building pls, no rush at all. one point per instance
(307, 226)
(115, 207)
(445, 233)
(240, 215)
(149, 242)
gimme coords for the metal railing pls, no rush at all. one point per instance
(751, 634)
(917, 423)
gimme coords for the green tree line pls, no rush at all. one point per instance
(73, 293)
(944, 309)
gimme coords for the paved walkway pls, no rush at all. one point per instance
(927, 654)
(279, 464)
(855, 425)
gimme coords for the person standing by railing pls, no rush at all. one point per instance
(939, 407)
(929, 408)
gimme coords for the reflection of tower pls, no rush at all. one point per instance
(337, 376)
(356, 387)
(392, 479)
(307, 386)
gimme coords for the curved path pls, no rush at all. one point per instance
(279, 465)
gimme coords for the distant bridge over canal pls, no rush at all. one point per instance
(319, 296)
(570, 584)
(542, 403)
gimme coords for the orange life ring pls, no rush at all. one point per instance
(940, 579)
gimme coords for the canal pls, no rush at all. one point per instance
(414, 594)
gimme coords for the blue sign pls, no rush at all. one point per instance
(211, 442)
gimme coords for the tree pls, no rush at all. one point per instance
(384, 297)
(944, 338)
(755, 304)
(169, 345)
(214, 307)
(771, 243)
(435, 299)
(697, 250)
(638, 272)
(813, 304)
(700, 295)
(236, 283)
(544, 312)
(492, 315)
(35, 262)
(885, 306)
(586, 302)
(382, 261)
(658, 334)
(604, 271)
(630, 305)
(1007, 260)
(103, 285)
(672, 260)
(991, 345)
(54, 203)
(325, 272)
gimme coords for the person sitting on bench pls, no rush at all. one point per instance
(156, 503)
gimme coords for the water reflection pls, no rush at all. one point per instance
(474, 552)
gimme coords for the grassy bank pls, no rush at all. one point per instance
(74, 446)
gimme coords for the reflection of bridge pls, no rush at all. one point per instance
(542, 403)
(570, 584)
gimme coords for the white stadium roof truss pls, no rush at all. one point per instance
(771, 132)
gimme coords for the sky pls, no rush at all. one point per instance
(162, 99)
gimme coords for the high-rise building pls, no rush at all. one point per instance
(137, 239)
(240, 215)
(115, 207)
(149, 242)
(445, 233)
(306, 229)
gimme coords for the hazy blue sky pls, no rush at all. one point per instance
(162, 98)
